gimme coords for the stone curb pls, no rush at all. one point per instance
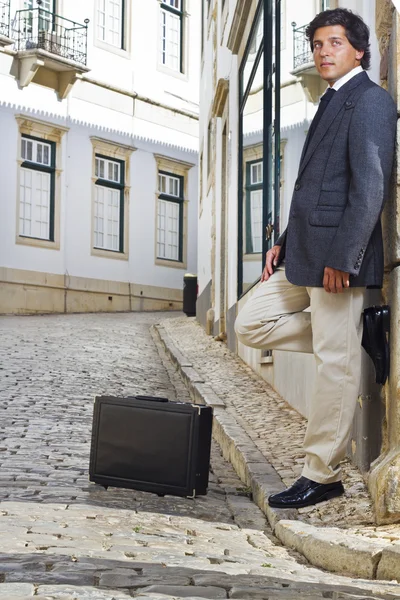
(324, 547)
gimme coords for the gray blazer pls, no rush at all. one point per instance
(341, 187)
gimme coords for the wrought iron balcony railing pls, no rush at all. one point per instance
(5, 18)
(302, 54)
(37, 28)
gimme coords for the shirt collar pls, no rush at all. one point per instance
(340, 82)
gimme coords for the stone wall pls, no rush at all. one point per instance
(384, 479)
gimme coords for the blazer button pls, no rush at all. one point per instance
(297, 187)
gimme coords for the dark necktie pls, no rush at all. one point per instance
(325, 99)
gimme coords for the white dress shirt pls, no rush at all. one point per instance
(338, 84)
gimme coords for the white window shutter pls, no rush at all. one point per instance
(168, 230)
(113, 219)
(34, 204)
(99, 217)
(25, 202)
(173, 41)
(107, 218)
(42, 205)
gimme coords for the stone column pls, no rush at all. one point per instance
(384, 478)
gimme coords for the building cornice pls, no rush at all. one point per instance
(137, 96)
(221, 94)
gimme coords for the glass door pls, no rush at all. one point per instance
(259, 144)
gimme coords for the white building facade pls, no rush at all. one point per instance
(98, 153)
(257, 100)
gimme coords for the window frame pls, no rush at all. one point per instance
(47, 131)
(180, 200)
(51, 170)
(180, 13)
(116, 186)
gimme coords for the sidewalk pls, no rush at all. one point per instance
(262, 436)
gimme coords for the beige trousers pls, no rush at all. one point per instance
(273, 319)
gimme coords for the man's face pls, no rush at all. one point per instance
(334, 56)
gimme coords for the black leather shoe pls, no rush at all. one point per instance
(305, 492)
(375, 340)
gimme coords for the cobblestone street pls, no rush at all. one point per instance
(64, 538)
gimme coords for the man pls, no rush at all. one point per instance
(332, 248)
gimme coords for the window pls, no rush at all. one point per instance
(39, 192)
(258, 36)
(45, 21)
(254, 49)
(37, 185)
(45, 4)
(171, 34)
(282, 24)
(254, 206)
(170, 216)
(110, 22)
(109, 204)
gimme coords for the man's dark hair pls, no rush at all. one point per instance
(357, 32)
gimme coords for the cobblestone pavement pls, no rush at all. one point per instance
(64, 538)
(266, 418)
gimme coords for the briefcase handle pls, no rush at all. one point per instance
(151, 398)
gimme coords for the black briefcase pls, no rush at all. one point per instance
(150, 444)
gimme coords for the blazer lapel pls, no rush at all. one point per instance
(327, 118)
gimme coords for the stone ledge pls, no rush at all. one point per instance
(192, 591)
(389, 565)
(175, 355)
(332, 548)
(328, 548)
(200, 392)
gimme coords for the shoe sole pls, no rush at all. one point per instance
(327, 496)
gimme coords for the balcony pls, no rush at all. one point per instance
(5, 23)
(302, 55)
(51, 50)
(303, 64)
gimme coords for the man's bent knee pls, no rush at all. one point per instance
(246, 331)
